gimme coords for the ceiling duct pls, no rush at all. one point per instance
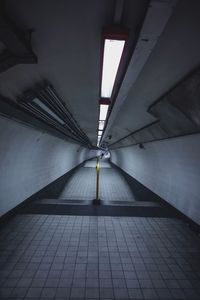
(45, 104)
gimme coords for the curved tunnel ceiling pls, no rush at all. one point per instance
(174, 55)
(66, 39)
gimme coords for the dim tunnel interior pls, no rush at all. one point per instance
(82, 185)
(79, 192)
(117, 194)
(99, 149)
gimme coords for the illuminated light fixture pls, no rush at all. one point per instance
(112, 55)
(114, 41)
(103, 112)
(101, 125)
(113, 45)
(48, 110)
(98, 140)
(100, 133)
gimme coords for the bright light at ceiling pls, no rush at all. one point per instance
(103, 112)
(98, 140)
(100, 133)
(111, 58)
(101, 125)
(48, 110)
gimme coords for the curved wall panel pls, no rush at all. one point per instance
(30, 160)
(170, 168)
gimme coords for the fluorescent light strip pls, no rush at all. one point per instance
(111, 58)
(100, 133)
(101, 125)
(48, 110)
(103, 112)
(98, 140)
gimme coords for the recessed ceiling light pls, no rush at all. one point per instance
(103, 112)
(113, 50)
(100, 133)
(101, 125)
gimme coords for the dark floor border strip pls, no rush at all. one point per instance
(53, 189)
(141, 192)
(98, 210)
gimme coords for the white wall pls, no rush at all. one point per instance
(30, 160)
(170, 168)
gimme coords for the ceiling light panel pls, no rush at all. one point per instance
(101, 125)
(100, 133)
(113, 50)
(103, 112)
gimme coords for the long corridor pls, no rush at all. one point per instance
(50, 253)
(78, 192)
(109, 82)
(82, 185)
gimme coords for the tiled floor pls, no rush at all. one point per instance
(80, 257)
(82, 184)
(113, 186)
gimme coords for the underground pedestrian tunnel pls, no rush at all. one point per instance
(99, 149)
